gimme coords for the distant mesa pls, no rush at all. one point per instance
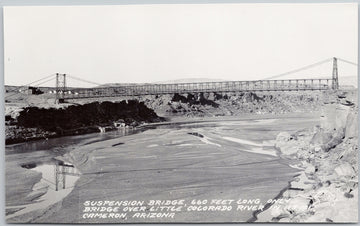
(348, 82)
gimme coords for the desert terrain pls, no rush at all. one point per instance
(297, 146)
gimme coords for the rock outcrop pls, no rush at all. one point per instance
(228, 104)
(327, 188)
(40, 123)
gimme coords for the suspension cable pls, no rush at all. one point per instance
(299, 69)
(31, 83)
(349, 62)
(83, 80)
(37, 85)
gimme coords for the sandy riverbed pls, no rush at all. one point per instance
(205, 160)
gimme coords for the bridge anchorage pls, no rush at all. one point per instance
(270, 84)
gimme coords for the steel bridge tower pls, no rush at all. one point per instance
(335, 76)
(60, 88)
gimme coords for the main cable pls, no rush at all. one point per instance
(299, 69)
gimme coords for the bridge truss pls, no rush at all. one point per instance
(206, 87)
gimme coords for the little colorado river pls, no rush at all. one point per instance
(206, 170)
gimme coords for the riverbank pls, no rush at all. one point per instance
(41, 119)
(33, 123)
(196, 104)
(217, 104)
(327, 188)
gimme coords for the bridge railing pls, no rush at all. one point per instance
(227, 86)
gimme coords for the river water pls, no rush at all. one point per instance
(229, 159)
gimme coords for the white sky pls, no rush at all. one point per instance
(148, 43)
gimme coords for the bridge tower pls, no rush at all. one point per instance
(335, 77)
(60, 88)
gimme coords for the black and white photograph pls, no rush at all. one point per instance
(181, 113)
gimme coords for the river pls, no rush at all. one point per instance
(234, 159)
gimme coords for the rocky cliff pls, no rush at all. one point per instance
(227, 104)
(39, 123)
(326, 190)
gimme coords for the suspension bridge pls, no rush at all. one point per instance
(63, 92)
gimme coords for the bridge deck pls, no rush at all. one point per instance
(228, 86)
